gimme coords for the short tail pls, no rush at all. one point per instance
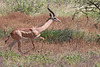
(7, 39)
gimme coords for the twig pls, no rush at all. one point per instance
(94, 4)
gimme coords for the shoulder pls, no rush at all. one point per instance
(33, 30)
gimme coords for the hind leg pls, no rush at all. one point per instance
(33, 44)
(19, 45)
(12, 44)
(42, 43)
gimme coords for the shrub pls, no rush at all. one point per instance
(59, 36)
(26, 6)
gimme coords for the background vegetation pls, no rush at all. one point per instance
(35, 6)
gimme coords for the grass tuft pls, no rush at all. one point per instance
(4, 33)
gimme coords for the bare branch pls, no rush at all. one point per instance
(94, 4)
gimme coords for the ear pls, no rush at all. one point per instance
(50, 15)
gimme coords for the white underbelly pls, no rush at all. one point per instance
(33, 38)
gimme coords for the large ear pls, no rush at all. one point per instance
(50, 15)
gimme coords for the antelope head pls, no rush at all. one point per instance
(52, 15)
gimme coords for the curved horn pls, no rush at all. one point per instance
(50, 11)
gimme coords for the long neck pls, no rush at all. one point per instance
(45, 26)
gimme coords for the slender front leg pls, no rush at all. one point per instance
(32, 48)
(42, 38)
(42, 43)
(33, 44)
(12, 44)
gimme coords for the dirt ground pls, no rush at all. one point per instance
(17, 20)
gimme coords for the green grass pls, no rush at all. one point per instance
(4, 33)
(10, 59)
(14, 59)
(72, 59)
(58, 36)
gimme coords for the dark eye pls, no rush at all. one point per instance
(55, 18)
